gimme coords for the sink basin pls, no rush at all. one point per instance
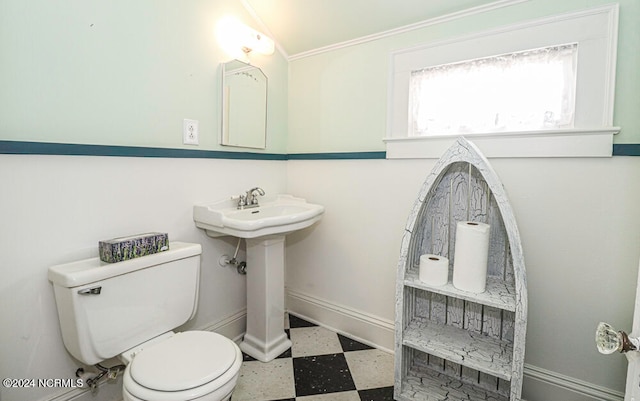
(281, 214)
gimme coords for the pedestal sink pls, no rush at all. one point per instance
(264, 229)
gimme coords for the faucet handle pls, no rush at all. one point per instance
(242, 200)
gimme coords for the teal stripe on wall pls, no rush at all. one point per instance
(69, 149)
(337, 156)
(45, 148)
(628, 149)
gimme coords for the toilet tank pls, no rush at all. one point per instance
(107, 308)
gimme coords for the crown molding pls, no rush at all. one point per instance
(408, 28)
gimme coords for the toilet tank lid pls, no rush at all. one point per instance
(88, 271)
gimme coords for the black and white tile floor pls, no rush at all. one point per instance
(320, 366)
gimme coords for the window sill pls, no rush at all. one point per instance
(575, 142)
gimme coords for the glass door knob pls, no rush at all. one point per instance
(608, 340)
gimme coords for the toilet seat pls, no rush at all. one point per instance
(185, 366)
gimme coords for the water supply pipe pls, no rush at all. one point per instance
(241, 267)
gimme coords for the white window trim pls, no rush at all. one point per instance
(593, 136)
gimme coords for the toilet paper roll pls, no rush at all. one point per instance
(470, 256)
(434, 269)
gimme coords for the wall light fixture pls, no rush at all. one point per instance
(237, 38)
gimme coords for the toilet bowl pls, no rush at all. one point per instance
(129, 309)
(192, 365)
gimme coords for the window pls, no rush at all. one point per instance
(530, 90)
(476, 86)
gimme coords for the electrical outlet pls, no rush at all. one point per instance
(190, 132)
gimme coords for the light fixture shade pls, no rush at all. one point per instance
(235, 36)
(260, 43)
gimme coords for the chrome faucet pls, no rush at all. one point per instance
(250, 199)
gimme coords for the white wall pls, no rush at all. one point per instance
(55, 209)
(578, 220)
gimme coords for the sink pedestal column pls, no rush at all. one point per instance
(265, 338)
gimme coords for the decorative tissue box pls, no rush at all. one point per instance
(125, 248)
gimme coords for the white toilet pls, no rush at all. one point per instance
(128, 310)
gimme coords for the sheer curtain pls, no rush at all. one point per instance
(524, 91)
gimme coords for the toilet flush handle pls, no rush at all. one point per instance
(91, 291)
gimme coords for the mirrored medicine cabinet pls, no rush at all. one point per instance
(244, 105)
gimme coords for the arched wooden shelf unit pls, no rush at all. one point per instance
(450, 344)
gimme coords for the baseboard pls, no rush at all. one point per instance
(366, 328)
(232, 326)
(539, 384)
(556, 386)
